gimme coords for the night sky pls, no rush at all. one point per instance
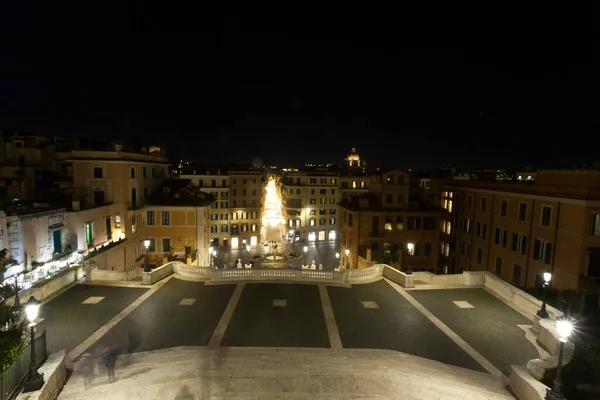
(491, 84)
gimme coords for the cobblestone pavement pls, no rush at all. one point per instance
(68, 322)
(485, 322)
(321, 253)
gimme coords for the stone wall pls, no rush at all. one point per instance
(149, 278)
(55, 376)
(48, 287)
(104, 275)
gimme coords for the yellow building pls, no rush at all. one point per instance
(216, 182)
(310, 198)
(378, 227)
(176, 221)
(246, 196)
(105, 187)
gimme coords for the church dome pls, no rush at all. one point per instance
(353, 159)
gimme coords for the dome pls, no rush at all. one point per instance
(353, 159)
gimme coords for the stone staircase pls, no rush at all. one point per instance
(186, 373)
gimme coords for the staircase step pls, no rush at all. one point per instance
(288, 373)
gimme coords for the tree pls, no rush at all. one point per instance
(11, 332)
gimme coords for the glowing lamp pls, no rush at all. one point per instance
(305, 249)
(564, 329)
(410, 247)
(32, 306)
(147, 243)
(547, 277)
(337, 255)
(248, 248)
(347, 252)
(214, 253)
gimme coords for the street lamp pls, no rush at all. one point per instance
(248, 248)
(337, 256)
(564, 329)
(542, 313)
(305, 250)
(34, 380)
(210, 250)
(214, 258)
(411, 250)
(147, 246)
(347, 252)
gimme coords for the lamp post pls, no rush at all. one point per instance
(213, 259)
(17, 300)
(248, 248)
(542, 313)
(210, 250)
(34, 380)
(564, 329)
(411, 248)
(337, 256)
(347, 252)
(305, 250)
(147, 246)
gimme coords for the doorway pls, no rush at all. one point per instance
(225, 242)
(56, 238)
(108, 228)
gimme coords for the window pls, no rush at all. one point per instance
(152, 247)
(519, 243)
(243, 192)
(213, 229)
(166, 245)
(466, 249)
(500, 237)
(546, 215)
(479, 255)
(331, 221)
(132, 172)
(149, 217)
(481, 228)
(522, 211)
(388, 223)
(445, 227)
(223, 228)
(89, 233)
(427, 249)
(498, 268)
(414, 223)
(144, 172)
(399, 222)
(516, 275)
(429, 223)
(484, 204)
(311, 222)
(470, 201)
(503, 208)
(166, 218)
(389, 198)
(401, 199)
(253, 226)
(468, 225)
(98, 173)
(542, 251)
(596, 224)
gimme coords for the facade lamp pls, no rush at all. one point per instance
(34, 380)
(147, 246)
(543, 313)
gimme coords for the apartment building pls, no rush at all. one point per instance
(27, 165)
(379, 226)
(310, 199)
(176, 220)
(216, 182)
(246, 194)
(353, 182)
(519, 231)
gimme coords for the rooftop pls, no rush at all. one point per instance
(179, 193)
(370, 202)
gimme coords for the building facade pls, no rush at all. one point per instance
(520, 231)
(176, 221)
(216, 182)
(383, 226)
(310, 199)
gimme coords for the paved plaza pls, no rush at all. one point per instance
(465, 328)
(321, 253)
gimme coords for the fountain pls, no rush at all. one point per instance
(273, 224)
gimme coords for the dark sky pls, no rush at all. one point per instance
(486, 84)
